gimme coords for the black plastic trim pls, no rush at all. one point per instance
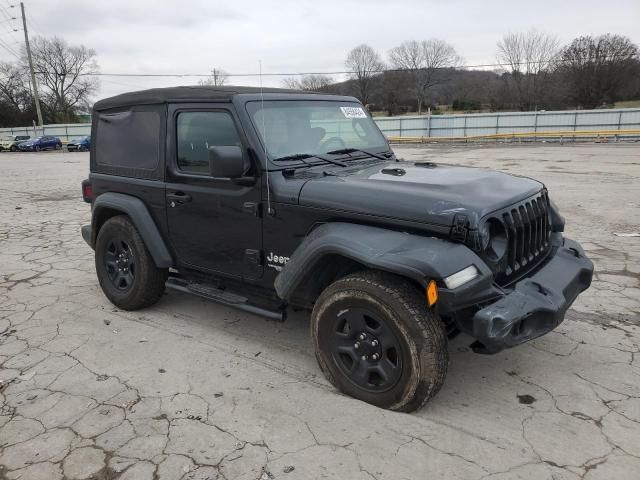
(136, 210)
(412, 256)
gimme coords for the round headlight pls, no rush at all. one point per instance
(495, 240)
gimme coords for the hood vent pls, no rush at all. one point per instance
(396, 172)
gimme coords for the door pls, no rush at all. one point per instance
(215, 223)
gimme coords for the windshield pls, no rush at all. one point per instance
(7, 139)
(35, 139)
(78, 139)
(290, 127)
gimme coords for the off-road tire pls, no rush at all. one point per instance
(148, 285)
(418, 329)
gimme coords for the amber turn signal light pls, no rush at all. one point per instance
(432, 293)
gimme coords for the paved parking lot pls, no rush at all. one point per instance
(190, 389)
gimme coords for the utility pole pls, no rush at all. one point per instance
(36, 97)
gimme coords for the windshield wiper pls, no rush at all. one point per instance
(304, 156)
(356, 150)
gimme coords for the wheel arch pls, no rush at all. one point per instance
(111, 204)
(334, 250)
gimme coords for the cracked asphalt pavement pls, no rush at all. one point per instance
(192, 390)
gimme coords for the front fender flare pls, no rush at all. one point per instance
(412, 256)
(137, 211)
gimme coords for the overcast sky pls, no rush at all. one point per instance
(192, 36)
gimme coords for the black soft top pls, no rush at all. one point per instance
(183, 94)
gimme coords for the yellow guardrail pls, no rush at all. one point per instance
(499, 136)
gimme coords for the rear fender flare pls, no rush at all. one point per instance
(137, 211)
(412, 256)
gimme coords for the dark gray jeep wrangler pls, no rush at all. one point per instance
(271, 199)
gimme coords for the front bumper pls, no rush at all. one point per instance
(536, 304)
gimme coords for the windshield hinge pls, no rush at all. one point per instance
(460, 227)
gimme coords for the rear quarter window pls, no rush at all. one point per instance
(128, 139)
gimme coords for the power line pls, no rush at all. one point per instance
(7, 47)
(341, 72)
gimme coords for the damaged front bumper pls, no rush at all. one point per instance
(533, 306)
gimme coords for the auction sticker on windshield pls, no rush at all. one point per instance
(353, 112)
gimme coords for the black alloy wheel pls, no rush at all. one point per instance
(366, 350)
(120, 264)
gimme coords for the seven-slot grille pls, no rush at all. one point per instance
(528, 231)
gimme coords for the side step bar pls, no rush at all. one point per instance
(223, 297)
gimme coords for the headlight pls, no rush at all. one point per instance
(461, 277)
(494, 239)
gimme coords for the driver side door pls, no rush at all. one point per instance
(214, 223)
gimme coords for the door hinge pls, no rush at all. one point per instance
(253, 208)
(253, 257)
(460, 227)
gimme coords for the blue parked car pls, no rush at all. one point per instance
(79, 144)
(46, 142)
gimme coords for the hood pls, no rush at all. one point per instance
(417, 192)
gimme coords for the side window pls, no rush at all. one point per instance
(128, 139)
(196, 132)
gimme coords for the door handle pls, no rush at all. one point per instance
(178, 197)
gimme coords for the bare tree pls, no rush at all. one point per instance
(529, 57)
(65, 75)
(596, 69)
(14, 87)
(364, 63)
(217, 78)
(311, 83)
(392, 87)
(424, 60)
(16, 103)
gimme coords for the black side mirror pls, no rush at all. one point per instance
(227, 162)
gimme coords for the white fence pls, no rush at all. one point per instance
(64, 131)
(480, 124)
(445, 126)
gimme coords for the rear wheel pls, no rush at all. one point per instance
(13, 148)
(126, 272)
(376, 340)
(58, 146)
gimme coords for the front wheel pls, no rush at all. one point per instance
(36, 148)
(13, 148)
(126, 272)
(376, 340)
